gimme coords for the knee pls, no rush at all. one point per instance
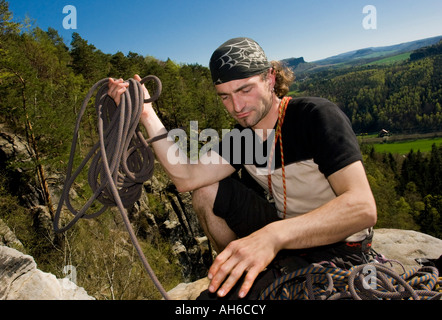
(203, 199)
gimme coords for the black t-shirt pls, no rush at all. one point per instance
(313, 128)
(318, 140)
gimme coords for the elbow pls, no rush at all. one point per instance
(370, 213)
(181, 188)
(183, 185)
(364, 210)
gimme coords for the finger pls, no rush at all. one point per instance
(233, 278)
(116, 89)
(220, 259)
(119, 94)
(122, 88)
(248, 281)
(222, 271)
(114, 84)
(146, 93)
(115, 81)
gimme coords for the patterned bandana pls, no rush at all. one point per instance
(238, 58)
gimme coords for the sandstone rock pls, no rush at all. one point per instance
(406, 245)
(12, 145)
(21, 280)
(189, 291)
(13, 148)
(8, 238)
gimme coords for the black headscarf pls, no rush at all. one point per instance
(237, 58)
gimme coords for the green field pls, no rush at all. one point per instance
(393, 59)
(404, 147)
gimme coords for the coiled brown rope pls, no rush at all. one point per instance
(121, 161)
(319, 282)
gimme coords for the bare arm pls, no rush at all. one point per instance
(185, 176)
(351, 211)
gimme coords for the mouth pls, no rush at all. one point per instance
(242, 115)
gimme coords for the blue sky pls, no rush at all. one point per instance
(187, 31)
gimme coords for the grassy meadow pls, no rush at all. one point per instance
(404, 147)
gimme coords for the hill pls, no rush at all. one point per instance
(401, 93)
(360, 57)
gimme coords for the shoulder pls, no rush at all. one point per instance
(315, 111)
(327, 132)
(311, 101)
(313, 105)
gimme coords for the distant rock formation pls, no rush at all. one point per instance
(294, 62)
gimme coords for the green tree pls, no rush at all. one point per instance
(87, 60)
(430, 217)
(435, 170)
(7, 26)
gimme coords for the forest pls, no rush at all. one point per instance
(43, 83)
(401, 98)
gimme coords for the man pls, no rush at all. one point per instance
(322, 199)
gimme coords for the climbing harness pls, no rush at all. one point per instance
(370, 281)
(121, 161)
(278, 136)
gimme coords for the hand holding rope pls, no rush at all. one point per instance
(121, 161)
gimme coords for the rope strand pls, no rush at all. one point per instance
(278, 136)
(121, 161)
(319, 282)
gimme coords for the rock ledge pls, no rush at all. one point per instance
(21, 280)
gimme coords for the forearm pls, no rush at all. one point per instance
(185, 175)
(331, 223)
(178, 172)
(154, 128)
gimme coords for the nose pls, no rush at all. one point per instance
(238, 104)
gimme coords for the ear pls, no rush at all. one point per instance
(271, 78)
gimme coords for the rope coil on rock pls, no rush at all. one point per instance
(121, 161)
(318, 282)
